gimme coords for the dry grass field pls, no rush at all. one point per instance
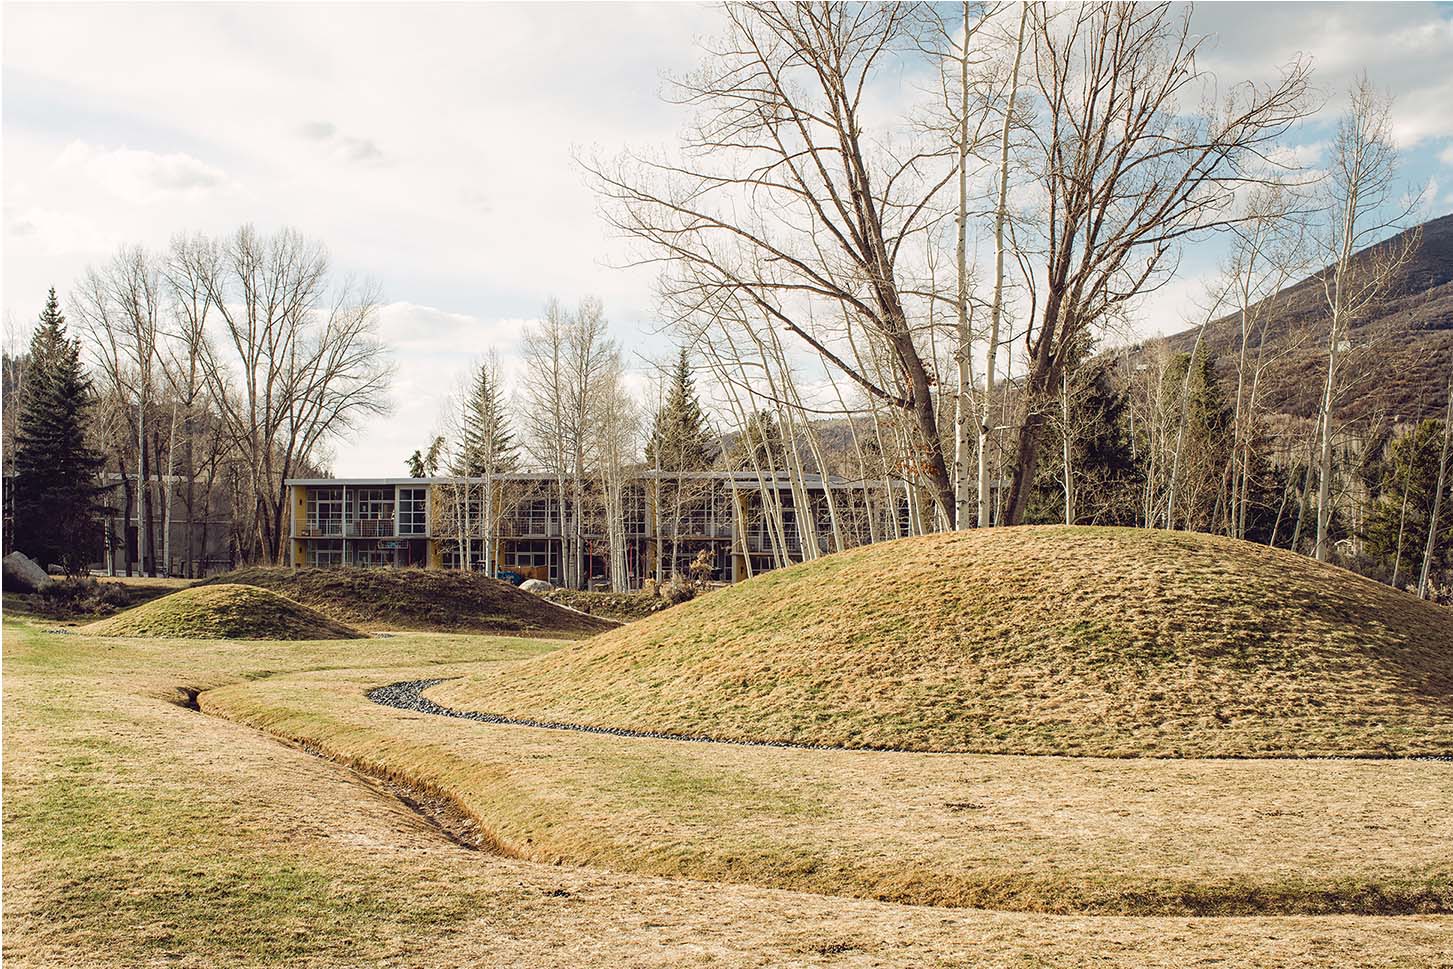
(1049, 640)
(1050, 834)
(202, 802)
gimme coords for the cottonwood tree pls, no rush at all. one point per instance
(786, 194)
(1131, 167)
(296, 365)
(120, 305)
(1362, 207)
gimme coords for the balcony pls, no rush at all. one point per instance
(339, 528)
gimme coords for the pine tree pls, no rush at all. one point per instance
(425, 464)
(1106, 473)
(1398, 522)
(760, 444)
(56, 471)
(680, 438)
(488, 446)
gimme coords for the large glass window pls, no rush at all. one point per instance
(373, 511)
(325, 554)
(528, 555)
(535, 516)
(413, 514)
(325, 511)
(373, 556)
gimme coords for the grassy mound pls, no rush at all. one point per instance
(439, 600)
(222, 612)
(1049, 640)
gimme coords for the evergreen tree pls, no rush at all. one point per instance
(488, 445)
(761, 440)
(680, 438)
(56, 471)
(425, 464)
(1397, 526)
(1205, 438)
(1106, 475)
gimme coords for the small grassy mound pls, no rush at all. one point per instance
(438, 600)
(1047, 640)
(223, 611)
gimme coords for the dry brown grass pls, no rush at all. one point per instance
(139, 834)
(1049, 640)
(1052, 834)
(223, 612)
(436, 600)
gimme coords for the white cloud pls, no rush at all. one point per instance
(142, 177)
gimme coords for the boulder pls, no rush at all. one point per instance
(536, 585)
(21, 574)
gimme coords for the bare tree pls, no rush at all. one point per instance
(568, 356)
(1361, 209)
(1130, 169)
(785, 196)
(297, 365)
(120, 306)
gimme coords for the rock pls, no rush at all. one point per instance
(23, 575)
(536, 585)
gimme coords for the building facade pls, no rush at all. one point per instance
(650, 526)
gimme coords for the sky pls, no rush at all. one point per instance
(431, 148)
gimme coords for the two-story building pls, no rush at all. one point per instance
(744, 523)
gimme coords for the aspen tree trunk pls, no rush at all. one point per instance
(1321, 549)
(1397, 562)
(1069, 475)
(168, 492)
(996, 309)
(964, 354)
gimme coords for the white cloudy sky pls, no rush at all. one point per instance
(430, 147)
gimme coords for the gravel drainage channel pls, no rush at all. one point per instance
(409, 695)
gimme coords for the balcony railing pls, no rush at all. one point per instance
(339, 528)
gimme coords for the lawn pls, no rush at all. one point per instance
(1119, 642)
(142, 833)
(1052, 834)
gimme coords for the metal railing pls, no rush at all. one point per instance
(340, 528)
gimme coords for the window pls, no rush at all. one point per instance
(527, 555)
(634, 502)
(535, 516)
(373, 556)
(373, 511)
(325, 511)
(413, 511)
(325, 554)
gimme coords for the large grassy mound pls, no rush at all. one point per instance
(223, 612)
(1117, 642)
(440, 600)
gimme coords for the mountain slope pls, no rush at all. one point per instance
(1405, 344)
